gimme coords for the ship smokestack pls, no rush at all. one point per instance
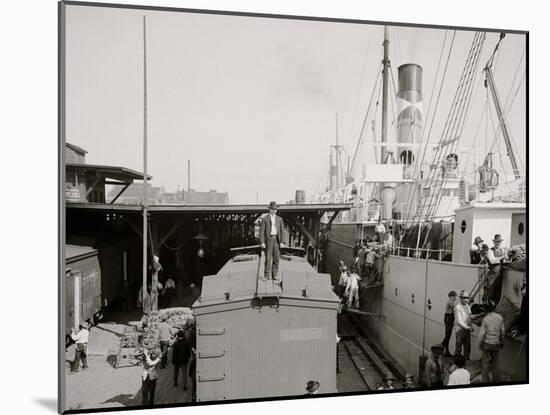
(333, 173)
(410, 119)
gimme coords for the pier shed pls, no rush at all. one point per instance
(260, 338)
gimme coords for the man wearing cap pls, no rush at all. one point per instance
(312, 387)
(491, 340)
(475, 251)
(81, 347)
(449, 320)
(463, 325)
(433, 369)
(495, 257)
(164, 339)
(149, 376)
(388, 381)
(409, 381)
(272, 236)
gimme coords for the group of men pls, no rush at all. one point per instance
(183, 360)
(458, 317)
(495, 257)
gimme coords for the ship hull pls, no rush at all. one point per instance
(407, 329)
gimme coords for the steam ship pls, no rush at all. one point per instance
(422, 192)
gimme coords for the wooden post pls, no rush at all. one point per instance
(144, 201)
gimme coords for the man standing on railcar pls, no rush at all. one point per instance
(272, 237)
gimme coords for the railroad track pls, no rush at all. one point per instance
(370, 364)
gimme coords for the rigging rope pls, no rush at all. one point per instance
(451, 133)
(412, 193)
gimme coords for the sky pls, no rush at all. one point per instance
(252, 101)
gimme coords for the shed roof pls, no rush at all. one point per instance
(238, 278)
(75, 252)
(76, 148)
(115, 172)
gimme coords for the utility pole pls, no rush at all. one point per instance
(144, 200)
(188, 175)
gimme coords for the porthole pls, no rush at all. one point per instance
(521, 228)
(463, 226)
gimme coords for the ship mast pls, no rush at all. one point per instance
(385, 68)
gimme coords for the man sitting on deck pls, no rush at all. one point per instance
(272, 236)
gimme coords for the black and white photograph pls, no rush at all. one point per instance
(261, 207)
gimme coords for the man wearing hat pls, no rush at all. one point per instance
(312, 387)
(433, 369)
(491, 340)
(475, 251)
(449, 320)
(463, 325)
(81, 346)
(409, 381)
(495, 257)
(388, 381)
(165, 335)
(272, 236)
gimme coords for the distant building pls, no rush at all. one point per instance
(133, 195)
(159, 196)
(212, 197)
(85, 183)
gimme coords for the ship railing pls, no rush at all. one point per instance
(437, 254)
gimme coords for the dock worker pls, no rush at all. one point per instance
(272, 237)
(343, 282)
(169, 289)
(458, 375)
(181, 354)
(433, 368)
(388, 382)
(491, 340)
(496, 256)
(463, 325)
(164, 339)
(352, 288)
(149, 376)
(81, 346)
(380, 229)
(409, 381)
(475, 250)
(449, 321)
(312, 387)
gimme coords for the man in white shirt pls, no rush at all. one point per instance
(81, 350)
(170, 290)
(380, 229)
(463, 325)
(459, 376)
(353, 288)
(272, 237)
(149, 376)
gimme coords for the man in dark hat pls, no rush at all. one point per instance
(181, 354)
(312, 387)
(272, 236)
(475, 251)
(449, 320)
(495, 257)
(433, 369)
(491, 340)
(388, 381)
(409, 381)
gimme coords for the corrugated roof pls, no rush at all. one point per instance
(107, 171)
(238, 278)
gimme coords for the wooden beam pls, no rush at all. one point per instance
(173, 229)
(119, 193)
(303, 230)
(97, 180)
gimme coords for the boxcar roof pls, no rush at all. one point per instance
(236, 282)
(75, 252)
